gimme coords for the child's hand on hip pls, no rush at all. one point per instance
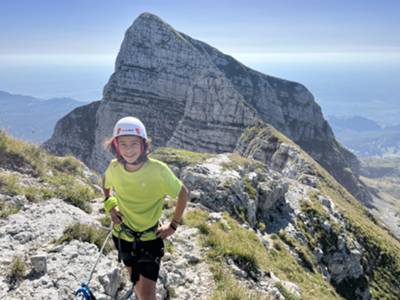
(165, 231)
(116, 216)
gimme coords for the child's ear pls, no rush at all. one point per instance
(147, 146)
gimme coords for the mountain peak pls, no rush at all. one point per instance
(150, 21)
(192, 96)
(148, 34)
(149, 17)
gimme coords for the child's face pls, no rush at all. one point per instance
(130, 147)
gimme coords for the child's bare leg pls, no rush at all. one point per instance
(145, 289)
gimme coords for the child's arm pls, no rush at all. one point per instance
(166, 230)
(181, 204)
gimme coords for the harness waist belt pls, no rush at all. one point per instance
(136, 237)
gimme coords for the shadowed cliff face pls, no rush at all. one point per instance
(189, 95)
(73, 134)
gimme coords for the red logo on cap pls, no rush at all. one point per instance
(137, 130)
(118, 130)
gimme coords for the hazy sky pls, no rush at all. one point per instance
(236, 26)
(347, 52)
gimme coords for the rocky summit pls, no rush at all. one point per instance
(279, 227)
(191, 96)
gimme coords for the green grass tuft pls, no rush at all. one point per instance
(285, 293)
(72, 191)
(66, 164)
(179, 157)
(20, 155)
(7, 209)
(229, 288)
(86, 233)
(17, 269)
(250, 190)
(9, 184)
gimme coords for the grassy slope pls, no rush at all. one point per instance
(382, 249)
(29, 170)
(228, 240)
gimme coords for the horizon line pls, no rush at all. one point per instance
(247, 56)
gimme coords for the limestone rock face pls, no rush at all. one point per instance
(189, 95)
(264, 143)
(182, 97)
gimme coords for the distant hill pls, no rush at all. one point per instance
(356, 123)
(365, 137)
(30, 118)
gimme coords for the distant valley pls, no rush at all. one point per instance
(366, 138)
(30, 118)
(382, 176)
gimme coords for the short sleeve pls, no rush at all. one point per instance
(172, 185)
(108, 177)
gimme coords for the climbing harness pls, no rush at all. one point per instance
(139, 251)
(136, 240)
(84, 291)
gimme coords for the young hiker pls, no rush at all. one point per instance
(134, 187)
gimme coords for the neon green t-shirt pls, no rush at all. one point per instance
(140, 194)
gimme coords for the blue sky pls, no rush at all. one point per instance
(96, 27)
(346, 52)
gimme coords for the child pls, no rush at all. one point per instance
(139, 184)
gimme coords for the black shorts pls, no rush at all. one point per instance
(147, 260)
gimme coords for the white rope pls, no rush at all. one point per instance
(98, 256)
